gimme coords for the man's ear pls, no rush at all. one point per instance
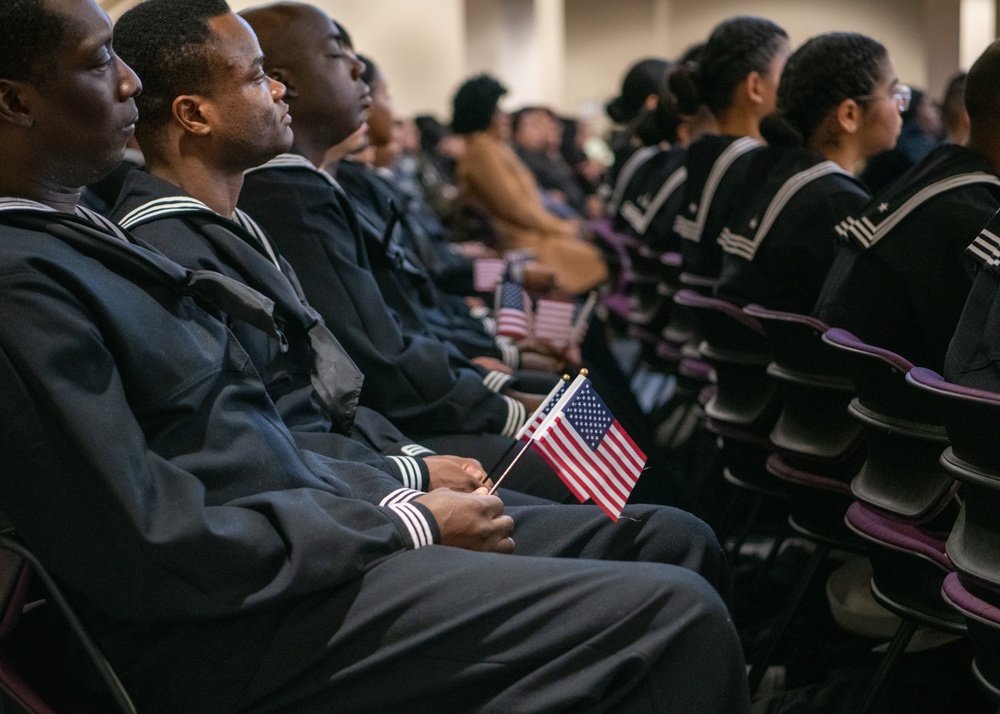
(12, 105)
(286, 78)
(849, 116)
(189, 111)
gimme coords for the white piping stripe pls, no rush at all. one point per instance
(163, 206)
(496, 381)
(257, 232)
(669, 187)
(294, 161)
(726, 159)
(924, 194)
(409, 471)
(740, 245)
(634, 163)
(516, 414)
(416, 450)
(416, 524)
(400, 495)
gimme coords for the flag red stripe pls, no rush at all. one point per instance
(599, 479)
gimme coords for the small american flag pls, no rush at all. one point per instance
(513, 310)
(554, 321)
(529, 427)
(584, 443)
(487, 272)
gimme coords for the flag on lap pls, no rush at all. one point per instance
(593, 455)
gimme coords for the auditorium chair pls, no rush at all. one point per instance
(971, 417)
(906, 500)
(35, 622)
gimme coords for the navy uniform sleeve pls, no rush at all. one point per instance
(193, 505)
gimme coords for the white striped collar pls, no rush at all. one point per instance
(726, 159)
(747, 247)
(176, 205)
(868, 234)
(639, 219)
(27, 205)
(631, 166)
(296, 161)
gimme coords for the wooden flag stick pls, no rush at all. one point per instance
(507, 470)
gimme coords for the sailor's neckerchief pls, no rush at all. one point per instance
(746, 246)
(336, 379)
(494, 380)
(931, 178)
(693, 229)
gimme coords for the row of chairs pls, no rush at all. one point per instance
(869, 453)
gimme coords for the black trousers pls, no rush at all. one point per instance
(448, 631)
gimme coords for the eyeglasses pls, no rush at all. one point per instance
(900, 94)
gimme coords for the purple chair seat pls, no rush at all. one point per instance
(983, 621)
(906, 537)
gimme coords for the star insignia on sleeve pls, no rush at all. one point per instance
(753, 224)
(883, 207)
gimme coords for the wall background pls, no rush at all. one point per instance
(572, 54)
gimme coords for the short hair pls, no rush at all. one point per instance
(29, 33)
(821, 74)
(166, 43)
(736, 48)
(475, 103)
(982, 89)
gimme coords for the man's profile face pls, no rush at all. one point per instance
(252, 121)
(83, 108)
(329, 81)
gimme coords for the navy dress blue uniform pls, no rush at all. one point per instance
(716, 178)
(224, 570)
(779, 242)
(900, 279)
(651, 198)
(190, 233)
(421, 384)
(973, 358)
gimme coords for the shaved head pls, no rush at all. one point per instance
(982, 88)
(286, 30)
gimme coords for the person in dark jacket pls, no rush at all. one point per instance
(142, 449)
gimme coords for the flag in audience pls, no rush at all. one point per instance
(584, 443)
(513, 310)
(487, 272)
(554, 321)
(529, 427)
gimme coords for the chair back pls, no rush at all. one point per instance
(814, 430)
(974, 459)
(734, 344)
(902, 474)
(33, 671)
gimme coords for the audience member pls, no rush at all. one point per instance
(900, 280)
(491, 175)
(261, 577)
(839, 102)
(737, 79)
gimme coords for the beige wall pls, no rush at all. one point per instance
(573, 53)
